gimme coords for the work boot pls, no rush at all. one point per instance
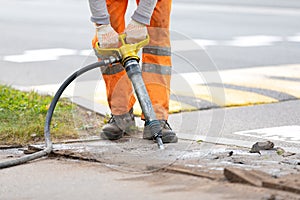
(168, 136)
(118, 125)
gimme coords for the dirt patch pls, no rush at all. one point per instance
(87, 123)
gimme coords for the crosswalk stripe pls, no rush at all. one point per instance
(243, 86)
(285, 87)
(234, 97)
(281, 96)
(239, 87)
(263, 77)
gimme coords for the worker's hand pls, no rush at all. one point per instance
(107, 36)
(135, 32)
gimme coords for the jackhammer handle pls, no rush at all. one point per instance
(136, 46)
(125, 50)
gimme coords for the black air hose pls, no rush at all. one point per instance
(50, 111)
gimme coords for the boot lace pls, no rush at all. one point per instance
(111, 119)
(168, 125)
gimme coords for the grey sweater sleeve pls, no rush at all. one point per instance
(142, 14)
(144, 11)
(99, 12)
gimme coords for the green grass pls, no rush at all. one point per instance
(22, 117)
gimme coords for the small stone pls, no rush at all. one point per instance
(33, 135)
(268, 145)
(89, 113)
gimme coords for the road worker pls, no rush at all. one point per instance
(150, 17)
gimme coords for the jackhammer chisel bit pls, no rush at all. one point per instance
(134, 73)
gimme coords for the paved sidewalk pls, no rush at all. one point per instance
(132, 169)
(65, 179)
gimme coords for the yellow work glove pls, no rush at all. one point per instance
(135, 32)
(107, 36)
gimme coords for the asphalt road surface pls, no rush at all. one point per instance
(44, 41)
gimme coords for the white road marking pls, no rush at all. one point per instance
(192, 44)
(283, 133)
(177, 45)
(205, 43)
(86, 52)
(40, 55)
(295, 38)
(257, 10)
(240, 41)
(253, 41)
(185, 45)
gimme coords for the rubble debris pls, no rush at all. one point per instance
(287, 154)
(290, 183)
(291, 162)
(239, 161)
(74, 155)
(223, 155)
(272, 153)
(265, 147)
(251, 177)
(258, 146)
(193, 172)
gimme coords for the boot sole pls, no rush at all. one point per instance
(109, 136)
(170, 139)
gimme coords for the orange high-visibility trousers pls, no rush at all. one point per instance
(156, 62)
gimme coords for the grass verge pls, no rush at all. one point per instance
(22, 116)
